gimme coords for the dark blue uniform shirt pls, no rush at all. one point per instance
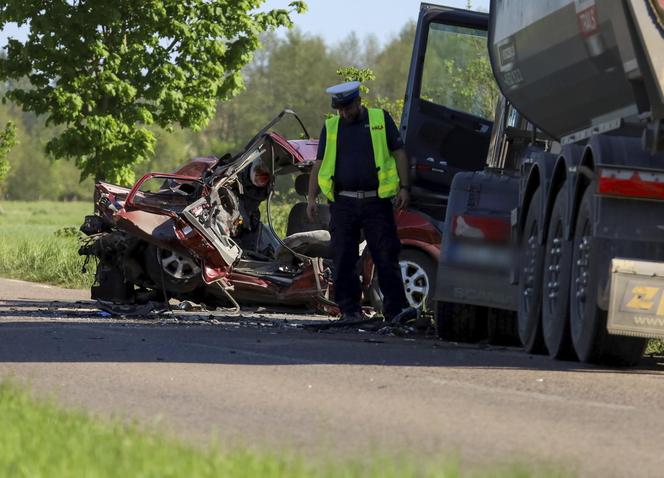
(355, 168)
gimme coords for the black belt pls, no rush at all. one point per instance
(358, 194)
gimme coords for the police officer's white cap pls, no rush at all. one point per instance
(343, 93)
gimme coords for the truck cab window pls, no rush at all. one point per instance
(456, 72)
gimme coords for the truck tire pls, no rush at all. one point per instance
(555, 284)
(590, 338)
(461, 322)
(502, 328)
(531, 259)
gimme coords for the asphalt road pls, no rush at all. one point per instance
(263, 381)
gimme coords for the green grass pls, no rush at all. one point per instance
(655, 347)
(39, 439)
(37, 242)
(279, 217)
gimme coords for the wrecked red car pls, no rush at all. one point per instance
(198, 235)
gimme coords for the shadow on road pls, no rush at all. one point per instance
(52, 331)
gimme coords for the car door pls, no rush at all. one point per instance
(450, 100)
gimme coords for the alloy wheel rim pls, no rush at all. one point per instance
(177, 266)
(415, 283)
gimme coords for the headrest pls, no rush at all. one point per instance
(302, 184)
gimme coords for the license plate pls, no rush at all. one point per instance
(480, 255)
(636, 306)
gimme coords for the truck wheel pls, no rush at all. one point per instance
(530, 281)
(555, 284)
(461, 322)
(502, 327)
(591, 340)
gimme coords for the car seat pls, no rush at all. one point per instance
(297, 217)
(302, 235)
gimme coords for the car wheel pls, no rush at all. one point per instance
(591, 340)
(530, 281)
(555, 284)
(418, 272)
(175, 271)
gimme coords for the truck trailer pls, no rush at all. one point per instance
(554, 186)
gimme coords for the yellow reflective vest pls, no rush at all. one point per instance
(386, 166)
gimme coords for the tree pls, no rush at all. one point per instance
(7, 142)
(364, 75)
(291, 71)
(104, 71)
(457, 72)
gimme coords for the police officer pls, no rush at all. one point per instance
(361, 167)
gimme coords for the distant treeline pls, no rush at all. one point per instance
(289, 71)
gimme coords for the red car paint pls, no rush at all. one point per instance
(168, 228)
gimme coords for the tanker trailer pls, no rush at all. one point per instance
(577, 142)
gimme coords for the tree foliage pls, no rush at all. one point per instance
(7, 142)
(393, 106)
(289, 70)
(457, 72)
(105, 71)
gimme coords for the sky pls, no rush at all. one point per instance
(334, 20)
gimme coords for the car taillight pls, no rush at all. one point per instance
(482, 227)
(631, 183)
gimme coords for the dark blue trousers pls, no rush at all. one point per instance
(374, 216)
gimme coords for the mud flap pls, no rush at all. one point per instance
(636, 299)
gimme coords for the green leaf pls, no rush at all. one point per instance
(102, 70)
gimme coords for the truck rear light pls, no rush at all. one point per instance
(423, 168)
(631, 183)
(496, 229)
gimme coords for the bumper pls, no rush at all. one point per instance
(475, 287)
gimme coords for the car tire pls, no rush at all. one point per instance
(420, 272)
(555, 283)
(175, 271)
(590, 337)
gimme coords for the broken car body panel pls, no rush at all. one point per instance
(180, 234)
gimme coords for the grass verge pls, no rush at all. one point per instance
(39, 242)
(40, 439)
